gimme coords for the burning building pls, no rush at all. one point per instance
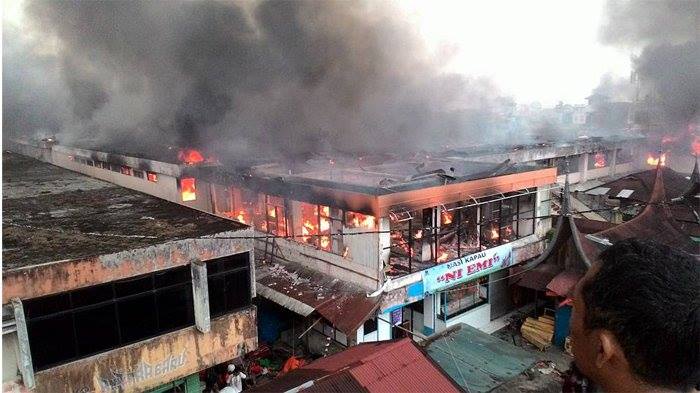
(108, 289)
(380, 224)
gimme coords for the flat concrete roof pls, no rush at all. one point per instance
(52, 214)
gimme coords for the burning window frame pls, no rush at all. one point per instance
(427, 231)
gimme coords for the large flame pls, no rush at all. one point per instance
(190, 156)
(443, 257)
(696, 145)
(652, 160)
(188, 189)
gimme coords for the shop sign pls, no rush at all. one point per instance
(467, 268)
(396, 317)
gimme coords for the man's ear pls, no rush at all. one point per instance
(609, 349)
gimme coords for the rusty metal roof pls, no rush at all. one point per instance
(563, 283)
(306, 291)
(381, 367)
(642, 183)
(655, 222)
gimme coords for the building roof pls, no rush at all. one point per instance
(568, 251)
(52, 214)
(306, 291)
(386, 366)
(656, 222)
(638, 186)
(477, 361)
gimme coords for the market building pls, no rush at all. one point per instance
(375, 225)
(108, 289)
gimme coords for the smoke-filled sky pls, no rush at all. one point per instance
(298, 76)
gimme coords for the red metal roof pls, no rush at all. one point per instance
(388, 366)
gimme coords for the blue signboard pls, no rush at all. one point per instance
(467, 268)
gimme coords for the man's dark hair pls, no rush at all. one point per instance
(648, 295)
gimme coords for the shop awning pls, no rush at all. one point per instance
(306, 291)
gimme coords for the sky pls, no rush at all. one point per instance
(537, 51)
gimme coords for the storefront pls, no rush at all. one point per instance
(456, 292)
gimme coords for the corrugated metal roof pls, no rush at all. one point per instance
(388, 366)
(478, 361)
(563, 283)
(304, 291)
(655, 222)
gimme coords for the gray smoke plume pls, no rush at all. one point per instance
(668, 67)
(256, 77)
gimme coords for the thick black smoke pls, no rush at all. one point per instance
(255, 77)
(667, 36)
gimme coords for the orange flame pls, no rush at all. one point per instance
(651, 160)
(241, 217)
(599, 160)
(188, 189)
(360, 220)
(494, 234)
(446, 217)
(443, 257)
(418, 235)
(346, 251)
(190, 156)
(272, 212)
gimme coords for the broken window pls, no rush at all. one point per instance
(463, 298)
(80, 323)
(125, 170)
(137, 173)
(152, 177)
(275, 215)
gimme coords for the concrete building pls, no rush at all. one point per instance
(107, 289)
(358, 226)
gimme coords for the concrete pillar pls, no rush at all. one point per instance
(583, 166)
(26, 367)
(429, 314)
(200, 295)
(384, 327)
(613, 162)
(383, 225)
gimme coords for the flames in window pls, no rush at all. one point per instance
(359, 220)
(599, 160)
(188, 189)
(152, 176)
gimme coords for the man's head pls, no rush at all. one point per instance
(637, 317)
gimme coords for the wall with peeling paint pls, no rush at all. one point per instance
(44, 279)
(150, 363)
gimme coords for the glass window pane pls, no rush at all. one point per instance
(46, 305)
(91, 295)
(178, 275)
(137, 318)
(51, 341)
(175, 308)
(131, 286)
(96, 329)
